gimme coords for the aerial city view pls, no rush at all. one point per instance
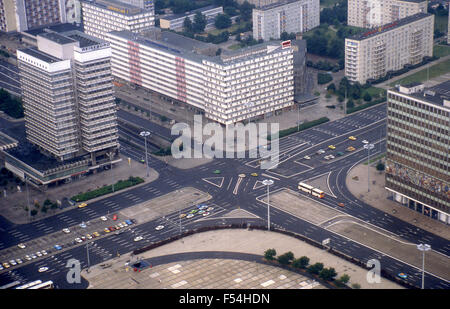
(225, 145)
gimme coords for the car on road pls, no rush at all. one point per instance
(142, 161)
(95, 234)
(201, 211)
(193, 211)
(254, 174)
(242, 175)
(42, 269)
(12, 262)
(159, 227)
(329, 157)
(114, 217)
(106, 230)
(19, 261)
(83, 225)
(210, 209)
(124, 224)
(82, 205)
(340, 153)
(6, 265)
(365, 141)
(332, 147)
(352, 138)
(138, 238)
(28, 258)
(1, 267)
(341, 204)
(39, 253)
(189, 216)
(78, 240)
(103, 218)
(217, 172)
(66, 230)
(117, 227)
(88, 236)
(402, 275)
(205, 214)
(57, 247)
(320, 151)
(21, 246)
(129, 222)
(351, 148)
(44, 252)
(112, 228)
(33, 256)
(307, 157)
(181, 216)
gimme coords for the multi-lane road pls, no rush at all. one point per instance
(229, 191)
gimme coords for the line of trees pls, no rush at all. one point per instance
(10, 105)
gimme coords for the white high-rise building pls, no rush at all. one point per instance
(103, 16)
(235, 86)
(68, 95)
(270, 21)
(372, 54)
(374, 13)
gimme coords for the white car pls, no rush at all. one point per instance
(159, 227)
(320, 151)
(1, 267)
(19, 261)
(27, 257)
(189, 216)
(307, 157)
(33, 256)
(44, 252)
(39, 253)
(42, 269)
(210, 209)
(78, 240)
(138, 238)
(205, 214)
(83, 225)
(21, 246)
(66, 230)
(365, 141)
(12, 262)
(103, 218)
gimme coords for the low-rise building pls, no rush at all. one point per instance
(370, 55)
(176, 21)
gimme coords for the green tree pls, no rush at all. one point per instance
(356, 286)
(187, 25)
(286, 258)
(199, 23)
(328, 274)
(380, 166)
(315, 268)
(344, 279)
(246, 11)
(301, 262)
(222, 21)
(270, 254)
(367, 97)
(350, 103)
(33, 212)
(331, 87)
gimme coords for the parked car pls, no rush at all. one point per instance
(159, 227)
(66, 230)
(42, 269)
(82, 205)
(21, 246)
(57, 247)
(138, 238)
(352, 138)
(103, 218)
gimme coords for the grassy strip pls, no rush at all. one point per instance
(364, 106)
(441, 50)
(435, 70)
(375, 159)
(303, 126)
(120, 185)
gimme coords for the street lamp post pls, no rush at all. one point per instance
(88, 262)
(268, 182)
(423, 248)
(144, 134)
(368, 147)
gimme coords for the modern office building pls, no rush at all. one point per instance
(176, 21)
(418, 148)
(375, 13)
(68, 96)
(370, 55)
(270, 21)
(22, 15)
(260, 3)
(244, 84)
(103, 16)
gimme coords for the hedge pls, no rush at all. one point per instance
(363, 106)
(303, 126)
(120, 185)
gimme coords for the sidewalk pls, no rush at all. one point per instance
(378, 198)
(12, 207)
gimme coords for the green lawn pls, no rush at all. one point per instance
(373, 91)
(441, 23)
(229, 29)
(435, 70)
(441, 50)
(234, 47)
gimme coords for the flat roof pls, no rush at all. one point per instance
(34, 52)
(58, 38)
(84, 39)
(176, 16)
(117, 6)
(388, 27)
(56, 28)
(275, 5)
(435, 94)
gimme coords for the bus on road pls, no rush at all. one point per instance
(311, 190)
